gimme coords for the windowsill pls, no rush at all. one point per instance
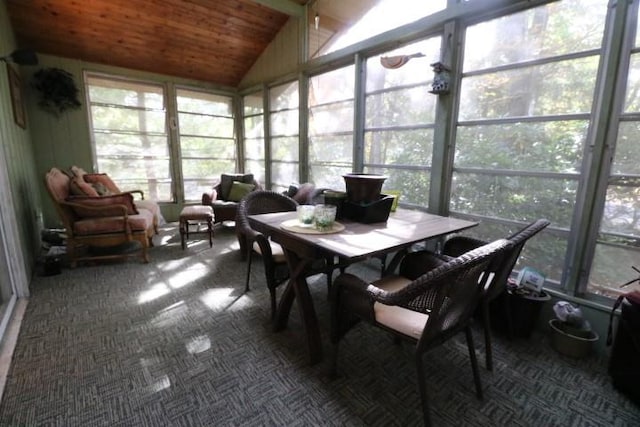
(580, 301)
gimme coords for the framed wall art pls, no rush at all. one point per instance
(16, 97)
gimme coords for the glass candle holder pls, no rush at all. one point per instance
(324, 217)
(305, 214)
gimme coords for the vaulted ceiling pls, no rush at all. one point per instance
(210, 40)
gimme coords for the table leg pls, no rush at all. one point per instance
(183, 231)
(284, 306)
(298, 289)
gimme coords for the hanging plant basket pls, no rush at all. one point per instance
(58, 91)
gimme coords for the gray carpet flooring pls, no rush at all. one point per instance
(177, 342)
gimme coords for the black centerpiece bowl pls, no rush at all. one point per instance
(364, 202)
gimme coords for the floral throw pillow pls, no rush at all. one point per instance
(78, 187)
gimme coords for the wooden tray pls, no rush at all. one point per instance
(295, 226)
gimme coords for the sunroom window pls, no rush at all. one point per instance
(339, 26)
(285, 147)
(253, 116)
(331, 127)
(207, 139)
(618, 243)
(129, 134)
(523, 120)
(399, 121)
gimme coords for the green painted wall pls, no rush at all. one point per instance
(65, 141)
(17, 153)
(280, 58)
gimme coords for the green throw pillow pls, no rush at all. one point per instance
(239, 190)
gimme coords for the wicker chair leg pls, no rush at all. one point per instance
(474, 362)
(486, 326)
(508, 316)
(246, 286)
(272, 295)
(422, 386)
(71, 253)
(333, 365)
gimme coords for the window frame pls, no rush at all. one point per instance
(87, 75)
(175, 124)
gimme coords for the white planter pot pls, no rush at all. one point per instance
(565, 340)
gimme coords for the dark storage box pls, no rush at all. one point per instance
(516, 314)
(624, 365)
(368, 213)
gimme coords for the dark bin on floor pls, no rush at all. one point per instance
(52, 266)
(624, 365)
(516, 314)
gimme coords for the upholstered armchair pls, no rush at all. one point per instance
(98, 221)
(100, 184)
(227, 193)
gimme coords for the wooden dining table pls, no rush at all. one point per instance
(348, 242)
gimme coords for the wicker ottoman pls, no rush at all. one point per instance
(195, 216)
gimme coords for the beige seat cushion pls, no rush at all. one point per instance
(276, 251)
(113, 224)
(152, 206)
(408, 322)
(196, 212)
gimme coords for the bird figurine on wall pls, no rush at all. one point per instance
(398, 61)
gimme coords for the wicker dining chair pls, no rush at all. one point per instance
(428, 302)
(272, 254)
(498, 270)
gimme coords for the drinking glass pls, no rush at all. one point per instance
(325, 216)
(305, 214)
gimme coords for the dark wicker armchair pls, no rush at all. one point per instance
(499, 269)
(427, 303)
(224, 200)
(275, 263)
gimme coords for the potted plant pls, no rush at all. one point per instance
(58, 91)
(571, 334)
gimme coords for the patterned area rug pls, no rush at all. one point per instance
(177, 342)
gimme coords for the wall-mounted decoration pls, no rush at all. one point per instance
(16, 97)
(441, 79)
(58, 91)
(398, 61)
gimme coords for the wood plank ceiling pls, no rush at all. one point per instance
(215, 41)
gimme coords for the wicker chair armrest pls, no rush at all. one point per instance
(352, 292)
(443, 273)
(457, 245)
(99, 211)
(140, 192)
(250, 234)
(415, 264)
(208, 198)
(262, 241)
